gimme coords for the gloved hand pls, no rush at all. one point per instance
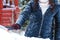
(16, 26)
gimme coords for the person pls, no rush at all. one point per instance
(41, 14)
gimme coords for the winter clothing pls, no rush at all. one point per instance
(40, 25)
(15, 26)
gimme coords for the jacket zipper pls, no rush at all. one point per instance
(41, 25)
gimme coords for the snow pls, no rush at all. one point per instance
(6, 35)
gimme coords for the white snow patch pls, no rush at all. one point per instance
(6, 35)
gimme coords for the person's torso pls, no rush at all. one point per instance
(39, 21)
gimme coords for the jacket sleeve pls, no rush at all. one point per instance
(57, 24)
(24, 15)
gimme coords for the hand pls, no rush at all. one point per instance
(16, 26)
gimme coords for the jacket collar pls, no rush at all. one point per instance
(38, 7)
(48, 11)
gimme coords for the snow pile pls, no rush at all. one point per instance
(19, 37)
(2, 27)
(6, 35)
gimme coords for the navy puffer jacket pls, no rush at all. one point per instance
(40, 25)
